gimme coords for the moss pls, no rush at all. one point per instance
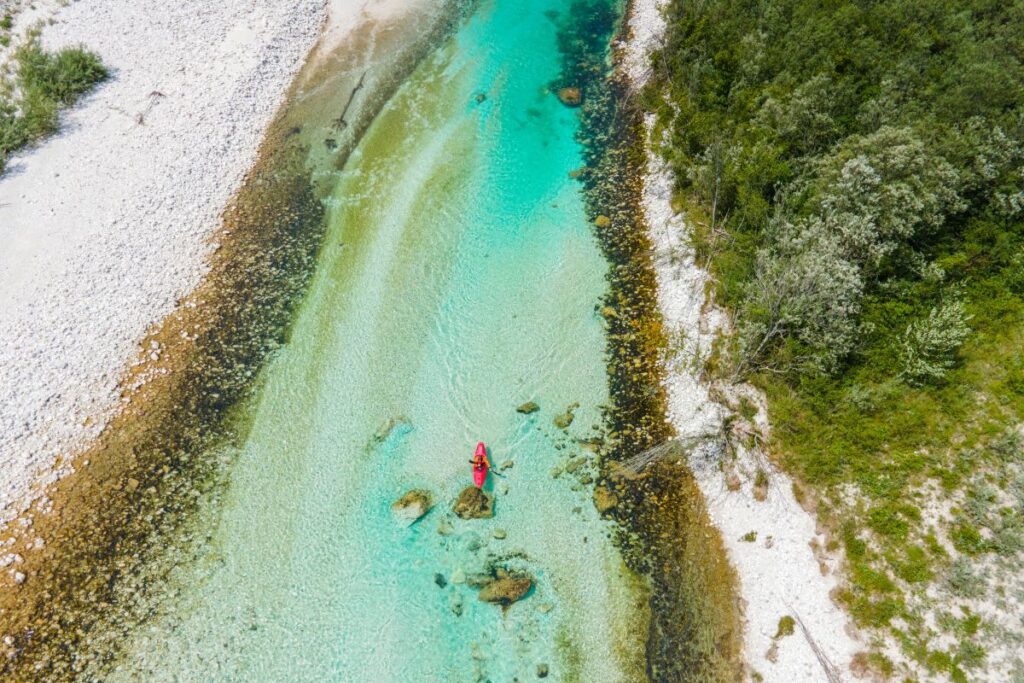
(787, 626)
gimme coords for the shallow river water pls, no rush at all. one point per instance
(459, 278)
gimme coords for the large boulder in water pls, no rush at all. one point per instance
(412, 506)
(570, 97)
(565, 419)
(474, 503)
(528, 408)
(505, 590)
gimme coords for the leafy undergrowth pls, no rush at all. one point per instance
(41, 85)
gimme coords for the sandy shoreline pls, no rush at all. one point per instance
(780, 573)
(107, 225)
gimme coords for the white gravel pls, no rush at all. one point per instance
(105, 226)
(779, 573)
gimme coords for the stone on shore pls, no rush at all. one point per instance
(506, 590)
(474, 503)
(412, 506)
(570, 97)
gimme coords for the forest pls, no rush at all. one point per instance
(852, 172)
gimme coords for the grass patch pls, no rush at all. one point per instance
(787, 626)
(43, 83)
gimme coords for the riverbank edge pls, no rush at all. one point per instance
(662, 525)
(773, 542)
(94, 548)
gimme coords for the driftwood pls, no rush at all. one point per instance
(340, 122)
(674, 450)
(831, 671)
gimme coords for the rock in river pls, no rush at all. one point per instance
(604, 499)
(570, 97)
(565, 419)
(527, 408)
(473, 503)
(412, 506)
(506, 590)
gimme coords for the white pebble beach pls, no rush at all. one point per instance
(107, 224)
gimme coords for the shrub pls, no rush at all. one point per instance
(930, 344)
(60, 77)
(43, 83)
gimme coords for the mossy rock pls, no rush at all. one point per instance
(565, 419)
(528, 408)
(605, 499)
(412, 506)
(506, 590)
(570, 97)
(473, 503)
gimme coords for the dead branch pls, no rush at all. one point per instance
(830, 669)
(340, 122)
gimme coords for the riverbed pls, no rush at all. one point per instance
(458, 278)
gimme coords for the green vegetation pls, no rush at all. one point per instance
(43, 83)
(854, 174)
(787, 626)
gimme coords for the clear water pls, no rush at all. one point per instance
(458, 280)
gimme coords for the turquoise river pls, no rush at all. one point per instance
(458, 279)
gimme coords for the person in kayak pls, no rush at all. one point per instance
(480, 462)
(480, 465)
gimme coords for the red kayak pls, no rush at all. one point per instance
(480, 465)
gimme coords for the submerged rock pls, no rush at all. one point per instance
(542, 671)
(455, 602)
(412, 506)
(604, 499)
(602, 221)
(474, 503)
(575, 464)
(506, 590)
(527, 408)
(570, 97)
(565, 419)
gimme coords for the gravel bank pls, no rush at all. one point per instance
(780, 571)
(107, 225)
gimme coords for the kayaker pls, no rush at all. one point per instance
(480, 465)
(480, 461)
